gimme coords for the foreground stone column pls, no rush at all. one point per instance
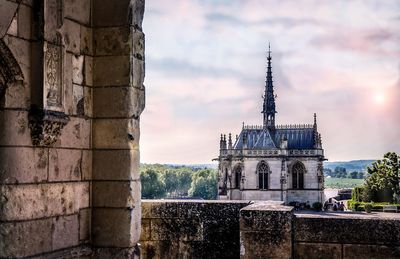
(266, 230)
(118, 100)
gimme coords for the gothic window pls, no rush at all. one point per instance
(262, 171)
(237, 175)
(298, 176)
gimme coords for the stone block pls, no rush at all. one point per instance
(138, 72)
(266, 229)
(116, 165)
(115, 253)
(146, 230)
(160, 249)
(7, 11)
(111, 14)
(138, 44)
(67, 88)
(65, 232)
(78, 10)
(137, 11)
(115, 227)
(13, 29)
(86, 40)
(23, 239)
(65, 165)
(88, 71)
(112, 70)
(118, 102)
(116, 134)
(20, 48)
(117, 194)
(24, 22)
(331, 229)
(87, 159)
(23, 165)
(85, 217)
(317, 251)
(370, 251)
(112, 41)
(17, 95)
(88, 101)
(176, 229)
(78, 100)
(77, 69)
(159, 209)
(14, 128)
(71, 32)
(76, 134)
(24, 202)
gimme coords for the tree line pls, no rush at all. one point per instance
(341, 172)
(168, 181)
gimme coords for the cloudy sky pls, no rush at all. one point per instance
(206, 64)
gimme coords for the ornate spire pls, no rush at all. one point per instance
(269, 97)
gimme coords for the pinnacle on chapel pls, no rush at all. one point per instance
(269, 97)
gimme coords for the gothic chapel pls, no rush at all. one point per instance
(272, 162)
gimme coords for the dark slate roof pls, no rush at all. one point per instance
(259, 138)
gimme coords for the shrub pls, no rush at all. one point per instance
(356, 193)
(368, 207)
(317, 206)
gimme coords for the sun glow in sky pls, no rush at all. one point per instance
(206, 64)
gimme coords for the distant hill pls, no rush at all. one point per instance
(354, 165)
(177, 166)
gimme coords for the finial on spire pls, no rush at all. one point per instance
(315, 120)
(269, 49)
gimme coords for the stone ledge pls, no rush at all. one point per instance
(346, 228)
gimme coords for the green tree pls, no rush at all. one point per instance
(204, 184)
(340, 172)
(385, 174)
(152, 185)
(353, 175)
(360, 175)
(170, 179)
(184, 182)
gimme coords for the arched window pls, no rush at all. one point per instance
(262, 171)
(237, 175)
(298, 176)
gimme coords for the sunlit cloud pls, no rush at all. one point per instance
(206, 63)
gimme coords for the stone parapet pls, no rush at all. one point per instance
(346, 235)
(190, 228)
(265, 230)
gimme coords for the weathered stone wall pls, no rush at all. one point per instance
(347, 236)
(237, 229)
(190, 229)
(266, 230)
(71, 93)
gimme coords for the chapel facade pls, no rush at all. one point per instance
(272, 162)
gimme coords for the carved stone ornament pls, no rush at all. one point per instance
(53, 76)
(283, 179)
(46, 126)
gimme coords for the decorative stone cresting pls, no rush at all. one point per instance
(46, 126)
